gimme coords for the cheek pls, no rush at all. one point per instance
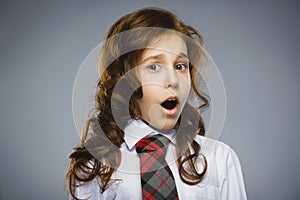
(150, 96)
(148, 91)
(186, 83)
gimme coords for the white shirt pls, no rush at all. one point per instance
(223, 179)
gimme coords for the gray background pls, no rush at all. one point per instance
(255, 44)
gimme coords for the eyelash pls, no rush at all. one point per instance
(159, 67)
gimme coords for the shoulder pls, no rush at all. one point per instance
(218, 154)
(210, 146)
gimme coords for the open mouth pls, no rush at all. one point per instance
(170, 103)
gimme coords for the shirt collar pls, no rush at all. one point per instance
(137, 129)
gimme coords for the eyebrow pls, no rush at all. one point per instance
(160, 56)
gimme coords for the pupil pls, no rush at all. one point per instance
(153, 67)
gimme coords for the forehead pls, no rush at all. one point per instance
(167, 43)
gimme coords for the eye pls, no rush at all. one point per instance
(154, 67)
(181, 67)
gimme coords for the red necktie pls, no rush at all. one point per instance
(156, 177)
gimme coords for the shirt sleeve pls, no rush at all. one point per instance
(231, 182)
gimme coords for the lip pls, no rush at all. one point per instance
(174, 110)
(172, 97)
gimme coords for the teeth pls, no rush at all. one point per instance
(172, 99)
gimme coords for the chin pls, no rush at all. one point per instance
(167, 125)
(167, 128)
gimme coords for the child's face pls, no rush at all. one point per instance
(165, 78)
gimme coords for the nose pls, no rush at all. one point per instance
(172, 78)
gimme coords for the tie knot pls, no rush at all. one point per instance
(152, 143)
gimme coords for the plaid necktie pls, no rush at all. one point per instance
(156, 177)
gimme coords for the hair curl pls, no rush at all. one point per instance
(99, 156)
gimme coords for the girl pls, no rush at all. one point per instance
(147, 139)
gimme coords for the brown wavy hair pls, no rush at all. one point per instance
(99, 155)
